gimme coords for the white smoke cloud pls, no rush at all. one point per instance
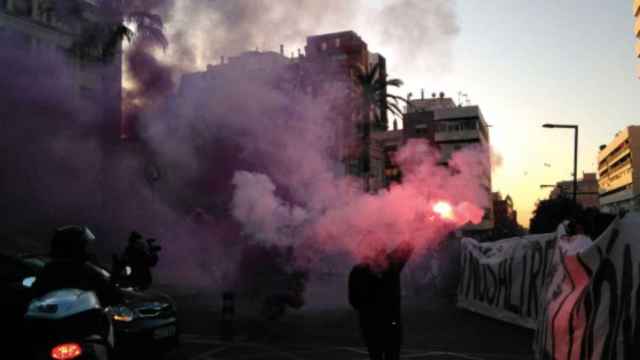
(411, 33)
(262, 213)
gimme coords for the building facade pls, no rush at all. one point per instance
(33, 26)
(387, 172)
(331, 63)
(328, 68)
(446, 126)
(505, 217)
(586, 195)
(455, 128)
(619, 171)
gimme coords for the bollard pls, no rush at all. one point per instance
(228, 312)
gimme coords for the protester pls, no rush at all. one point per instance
(375, 292)
(140, 256)
(572, 239)
(577, 234)
(70, 267)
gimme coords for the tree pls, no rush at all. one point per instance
(372, 101)
(99, 40)
(371, 92)
(551, 212)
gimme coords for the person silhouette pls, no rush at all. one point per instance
(375, 293)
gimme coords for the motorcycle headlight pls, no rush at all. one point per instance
(122, 313)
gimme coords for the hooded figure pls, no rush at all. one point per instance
(70, 267)
(375, 292)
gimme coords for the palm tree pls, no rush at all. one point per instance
(372, 103)
(100, 39)
(371, 90)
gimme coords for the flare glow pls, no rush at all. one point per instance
(444, 209)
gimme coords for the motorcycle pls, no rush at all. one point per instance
(69, 324)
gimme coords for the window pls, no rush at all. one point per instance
(323, 46)
(338, 42)
(470, 125)
(421, 129)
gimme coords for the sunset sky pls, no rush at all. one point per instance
(530, 62)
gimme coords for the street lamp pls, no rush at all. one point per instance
(575, 153)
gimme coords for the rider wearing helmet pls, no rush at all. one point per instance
(70, 267)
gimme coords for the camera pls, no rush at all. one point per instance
(153, 248)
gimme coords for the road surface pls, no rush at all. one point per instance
(197, 347)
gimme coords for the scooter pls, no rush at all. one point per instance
(69, 324)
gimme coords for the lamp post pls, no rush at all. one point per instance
(575, 153)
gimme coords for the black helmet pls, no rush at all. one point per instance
(72, 242)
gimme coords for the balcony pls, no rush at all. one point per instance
(636, 7)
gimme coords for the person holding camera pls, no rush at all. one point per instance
(140, 256)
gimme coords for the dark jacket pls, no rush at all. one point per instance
(379, 294)
(67, 274)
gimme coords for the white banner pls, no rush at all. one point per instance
(587, 307)
(504, 279)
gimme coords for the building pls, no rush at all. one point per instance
(618, 171)
(384, 170)
(339, 54)
(448, 127)
(636, 28)
(503, 207)
(453, 128)
(254, 64)
(331, 63)
(416, 125)
(586, 195)
(32, 26)
(505, 217)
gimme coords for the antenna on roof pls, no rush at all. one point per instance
(462, 96)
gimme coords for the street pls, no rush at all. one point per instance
(437, 330)
(201, 348)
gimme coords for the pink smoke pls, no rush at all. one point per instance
(432, 201)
